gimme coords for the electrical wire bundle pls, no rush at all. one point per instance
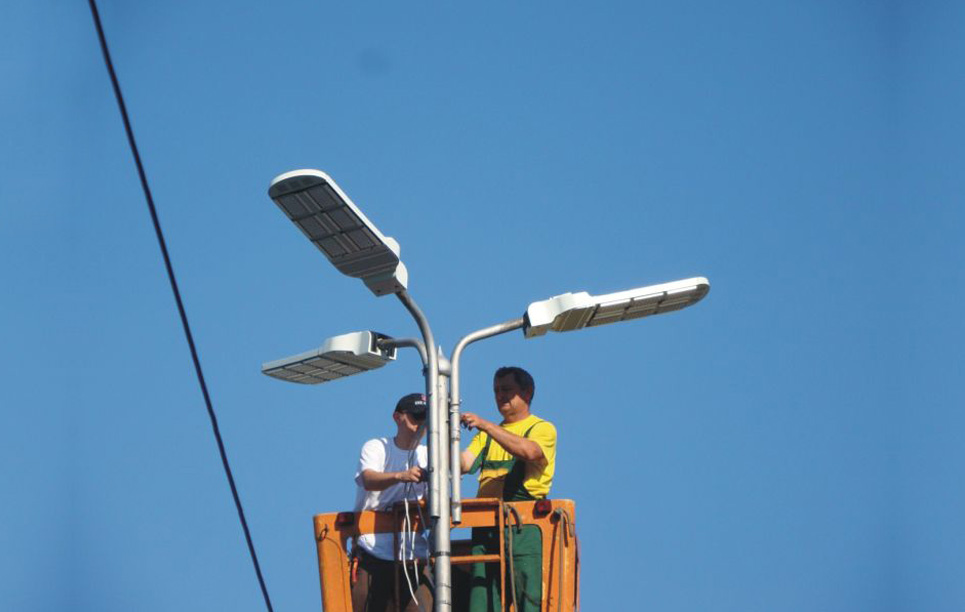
(408, 535)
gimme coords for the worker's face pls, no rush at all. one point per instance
(511, 399)
(409, 423)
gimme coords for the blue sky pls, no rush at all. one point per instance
(790, 444)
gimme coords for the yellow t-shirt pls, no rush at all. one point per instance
(538, 475)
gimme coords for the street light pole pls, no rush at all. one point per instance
(438, 468)
(355, 246)
(352, 243)
(441, 530)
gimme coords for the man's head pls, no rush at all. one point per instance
(410, 412)
(513, 389)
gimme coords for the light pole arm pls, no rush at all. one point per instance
(454, 435)
(403, 342)
(438, 470)
(432, 382)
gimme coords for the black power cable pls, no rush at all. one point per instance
(177, 296)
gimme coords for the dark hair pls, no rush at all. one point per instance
(523, 378)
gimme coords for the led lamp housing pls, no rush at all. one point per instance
(337, 228)
(338, 357)
(572, 311)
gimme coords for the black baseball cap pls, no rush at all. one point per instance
(414, 404)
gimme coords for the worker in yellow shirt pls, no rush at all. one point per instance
(516, 460)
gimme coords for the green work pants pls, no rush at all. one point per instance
(527, 562)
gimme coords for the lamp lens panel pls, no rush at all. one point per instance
(640, 309)
(362, 238)
(617, 306)
(316, 199)
(343, 221)
(572, 319)
(603, 319)
(313, 228)
(327, 196)
(646, 305)
(331, 247)
(610, 312)
(310, 204)
(344, 369)
(293, 206)
(320, 369)
(639, 314)
(668, 305)
(328, 221)
(336, 232)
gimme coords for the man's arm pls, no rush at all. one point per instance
(466, 459)
(380, 481)
(517, 446)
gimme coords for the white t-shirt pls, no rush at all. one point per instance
(382, 455)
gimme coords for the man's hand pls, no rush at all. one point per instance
(517, 446)
(380, 481)
(474, 421)
(413, 474)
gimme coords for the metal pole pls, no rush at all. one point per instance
(455, 448)
(438, 469)
(443, 534)
(407, 342)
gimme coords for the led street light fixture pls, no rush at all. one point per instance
(339, 357)
(578, 310)
(327, 217)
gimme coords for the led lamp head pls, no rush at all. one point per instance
(572, 311)
(338, 357)
(337, 228)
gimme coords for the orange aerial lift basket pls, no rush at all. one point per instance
(555, 519)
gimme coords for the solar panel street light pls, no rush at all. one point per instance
(572, 311)
(336, 226)
(338, 357)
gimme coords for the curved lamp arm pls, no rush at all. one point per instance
(454, 401)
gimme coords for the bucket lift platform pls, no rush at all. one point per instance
(555, 519)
